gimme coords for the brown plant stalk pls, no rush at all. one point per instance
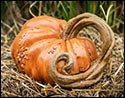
(95, 72)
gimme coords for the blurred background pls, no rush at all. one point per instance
(15, 13)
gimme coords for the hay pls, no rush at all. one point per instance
(16, 84)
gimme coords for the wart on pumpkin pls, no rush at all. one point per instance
(72, 73)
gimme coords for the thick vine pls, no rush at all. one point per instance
(94, 73)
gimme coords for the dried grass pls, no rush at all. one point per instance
(14, 83)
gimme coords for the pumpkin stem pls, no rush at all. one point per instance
(69, 81)
(77, 23)
(66, 33)
(62, 56)
(94, 73)
(68, 59)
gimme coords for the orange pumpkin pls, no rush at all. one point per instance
(41, 39)
(35, 29)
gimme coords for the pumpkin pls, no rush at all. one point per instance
(35, 29)
(55, 54)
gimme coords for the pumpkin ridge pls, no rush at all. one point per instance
(75, 54)
(94, 73)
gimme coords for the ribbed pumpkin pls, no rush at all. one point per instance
(39, 41)
(48, 49)
(35, 29)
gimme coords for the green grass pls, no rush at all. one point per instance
(111, 11)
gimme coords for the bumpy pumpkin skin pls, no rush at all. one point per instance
(33, 30)
(38, 42)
